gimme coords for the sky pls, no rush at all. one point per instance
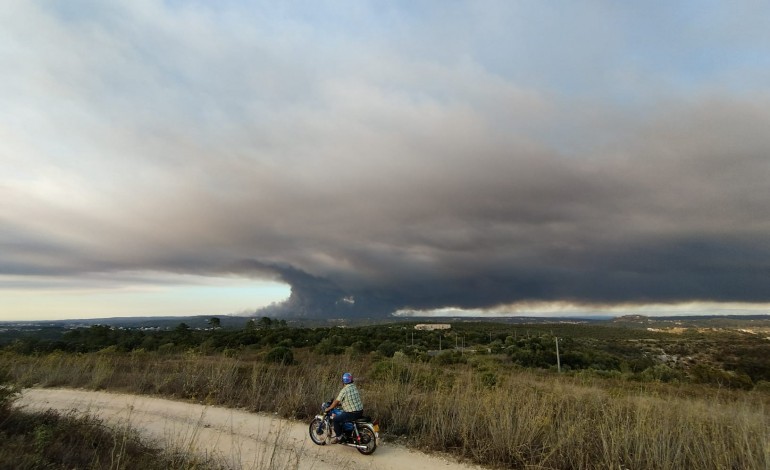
(367, 158)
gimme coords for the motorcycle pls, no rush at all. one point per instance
(361, 433)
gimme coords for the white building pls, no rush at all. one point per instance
(433, 326)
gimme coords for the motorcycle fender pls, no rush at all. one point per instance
(375, 431)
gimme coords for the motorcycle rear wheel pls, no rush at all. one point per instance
(319, 431)
(368, 439)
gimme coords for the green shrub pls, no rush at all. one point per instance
(280, 354)
(660, 373)
(387, 348)
(449, 357)
(489, 379)
(709, 375)
(762, 386)
(328, 346)
(230, 352)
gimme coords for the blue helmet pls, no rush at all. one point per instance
(347, 378)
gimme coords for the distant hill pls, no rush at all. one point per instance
(200, 321)
(237, 322)
(693, 321)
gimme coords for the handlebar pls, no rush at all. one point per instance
(326, 405)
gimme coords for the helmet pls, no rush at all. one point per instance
(347, 378)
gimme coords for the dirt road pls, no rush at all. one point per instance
(239, 438)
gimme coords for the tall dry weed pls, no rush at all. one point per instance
(521, 419)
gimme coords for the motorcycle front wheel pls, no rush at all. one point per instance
(319, 431)
(368, 439)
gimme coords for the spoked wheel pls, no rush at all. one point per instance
(368, 439)
(319, 431)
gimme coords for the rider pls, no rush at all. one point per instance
(352, 406)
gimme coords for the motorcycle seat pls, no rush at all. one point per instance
(364, 419)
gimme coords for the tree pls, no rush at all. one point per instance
(182, 334)
(214, 322)
(387, 348)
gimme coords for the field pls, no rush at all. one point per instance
(625, 397)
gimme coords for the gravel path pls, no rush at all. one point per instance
(239, 438)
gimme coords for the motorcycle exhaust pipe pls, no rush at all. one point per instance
(356, 446)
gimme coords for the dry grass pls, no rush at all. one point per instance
(52, 440)
(520, 419)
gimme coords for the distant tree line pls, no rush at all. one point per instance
(729, 359)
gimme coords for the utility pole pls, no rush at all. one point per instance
(558, 360)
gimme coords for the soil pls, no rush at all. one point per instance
(238, 438)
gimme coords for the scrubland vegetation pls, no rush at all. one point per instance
(624, 399)
(49, 440)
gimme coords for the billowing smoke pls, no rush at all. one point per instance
(310, 297)
(464, 170)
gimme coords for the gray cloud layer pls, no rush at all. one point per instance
(418, 170)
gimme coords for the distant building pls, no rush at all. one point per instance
(433, 326)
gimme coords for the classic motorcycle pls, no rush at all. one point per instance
(361, 433)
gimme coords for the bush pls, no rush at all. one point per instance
(280, 354)
(762, 386)
(387, 348)
(709, 375)
(489, 379)
(357, 349)
(7, 394)
(449, 357)
(230, 352)
(660, 373)
(327, 346)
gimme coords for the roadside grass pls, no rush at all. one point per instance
(34, 440)
(488, 412)
(52, 440)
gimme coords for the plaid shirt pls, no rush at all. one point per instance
(350, 399)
